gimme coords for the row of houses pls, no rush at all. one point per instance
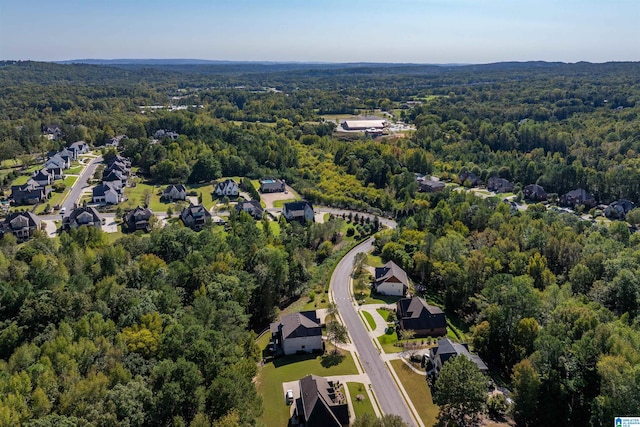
(115, 178)
(36, 189)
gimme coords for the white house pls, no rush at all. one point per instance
(298, 333)
(391, 280)
(105, 193)
(43, 177)
(228, 187)
(174, 192)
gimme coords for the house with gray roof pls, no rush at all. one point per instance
(252, 207)
(195, 217)
(115, 178)
(138, 219)
(320, 404)
(21, 224)
(447, 349)
(82, 216)
(79, 147)
(271, 185)
(301, 211)
(107, 194)
(619, 209)
(174, 192)
(430, 186)
(500, 185)
(298, 333)
(43, 177)
(390, 279)
(426, 320)
(534, 192)
(29, 194)
(577, 197)
(228, 187)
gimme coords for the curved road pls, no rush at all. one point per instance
(386, 391)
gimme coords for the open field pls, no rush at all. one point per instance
(418, 391)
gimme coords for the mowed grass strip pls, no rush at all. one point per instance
(370, 321)
(291, 368)
(360, 407)
(418, 390)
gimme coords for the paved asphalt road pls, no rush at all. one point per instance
(80, 184)
(389, 397)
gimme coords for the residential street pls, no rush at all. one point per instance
(386, 391)
(81, 182)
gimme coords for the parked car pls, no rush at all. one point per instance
(289, 397)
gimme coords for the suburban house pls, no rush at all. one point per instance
(79, 147)
(174, 192)
(115, 141)
(320, 404)
(391, 280)
(119, 159)
(228, 187)
(115, 178)
(534, 192)
(252, 207)
(21, 224)
(57, 161)
(52, 131)
(469, 178)
(82, 216)
(271, 185)
(28, 194)
(577, 197)
(298, 211)
(67, 156)
(106, 193)
(374, 124)
(195, 217)
(499, 185)
(426, 320)
(138, 219)
(298, 333)
(55, 171)
(619, 209)
(447, 349)
(43, 177)
(162, 133)
(118, 166)
(430, 186)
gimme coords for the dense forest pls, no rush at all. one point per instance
(155, 331)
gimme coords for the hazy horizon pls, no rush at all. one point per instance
(330, 31)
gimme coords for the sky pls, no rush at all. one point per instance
(415, 31)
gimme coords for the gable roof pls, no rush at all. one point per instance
(250, 205)
(321, 405)
(41, 175)
(447, 349)
(102, 189)
(179, 188)
(194, 211)
(417, 314)
(19, 220)
(389, 270)
(297, 325)
(80, 213)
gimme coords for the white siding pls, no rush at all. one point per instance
(390, 288)
(293, 345)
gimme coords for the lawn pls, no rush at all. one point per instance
(387, 342)
(21, 179)
(384, 313)
(374, 260)
(273, 225)
(360, 407)
(291, 368)
(418, 390)
(280, 203)
(370, 321)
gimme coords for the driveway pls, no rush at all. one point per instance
(269, 198)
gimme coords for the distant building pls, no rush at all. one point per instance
(301, 211)
(534, 192)
(499, 185)
(195, 217)
(21, 224)
(79, 147)
(138, 219)
(430, 186)
(107, 194)
(162, 133)
(426, 320)
(364, 125)
(619, 209)
(252, 207)
(228, 187)
(52, 131)
(115, 141)
(320, 404)
(469, 178)
(271, 185)
(82, 216)
(577, 197)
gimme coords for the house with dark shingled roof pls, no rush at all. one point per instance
(298, 333)
(426, 320)
(320, 404)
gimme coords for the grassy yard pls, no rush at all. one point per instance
(418, 391)
(387, 342)
(292, 368)
(280, 203)
(384, 313)
(273, 225)
(360, 407)
(21, 179)
(370, 321)
(374, 260)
